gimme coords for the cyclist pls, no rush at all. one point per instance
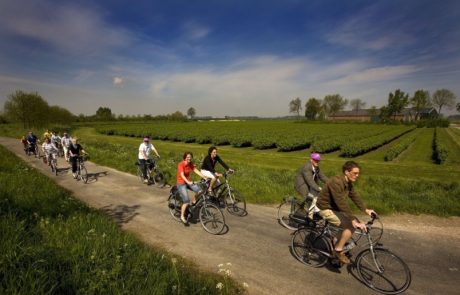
(66, 141)
(75, 151)
(208, 167)
(144, 157)
(32, 141)
(183, 183)
(333, 205)
(307, 181)
(24, 142)
(46, 135)
(50, 150)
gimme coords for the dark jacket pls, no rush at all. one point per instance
(334, 196)
(209, 164)
(309, 177)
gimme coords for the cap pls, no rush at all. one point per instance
(315, 157)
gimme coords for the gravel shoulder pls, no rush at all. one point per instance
(255, 245)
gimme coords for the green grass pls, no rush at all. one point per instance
(453, 158)
(420, 152)
(53, 244)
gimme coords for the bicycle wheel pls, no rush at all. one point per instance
(83, 174)
(159, 178)
(383, 271)
(212, 219)
(235, 203)
(310, 247)
(140, 174)
(37, 152)
(285, 209)
(175, 205)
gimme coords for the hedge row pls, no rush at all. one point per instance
(401, 146)
(440, 152)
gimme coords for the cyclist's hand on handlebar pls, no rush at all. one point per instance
(371, 213)
(230, 170)
(359, 225)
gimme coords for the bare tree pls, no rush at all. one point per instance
(295, 106)
(357, 104)
(443, 97)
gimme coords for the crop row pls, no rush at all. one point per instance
(400, 146)
(282, 135)
(440, 152)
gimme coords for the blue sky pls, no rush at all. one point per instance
(225, 57)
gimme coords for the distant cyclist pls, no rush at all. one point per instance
(75, 151)
(56, 139)
(145, 149)
(334, 207)
(307, 181)
(50, 150)
(66, 141)
(209, 164)
(46, 135)
(32, 141)
(184, 182)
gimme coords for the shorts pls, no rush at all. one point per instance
(337, 218)
(207, 174)
(182, 188)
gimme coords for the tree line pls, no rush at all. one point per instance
(317, 109)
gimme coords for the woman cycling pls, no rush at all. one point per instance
(50, 150)
(209, 164)
(145, 150)
(75, 151)
(183, 183)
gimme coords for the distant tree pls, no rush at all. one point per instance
(177, 116)
(373, 111)
(191, 112)
(333, 103)
(357, 104)
(397, 101)
(295, 106)
(104, 114)
(312, 108)
(419, 101)
(30, 109)
(57, 114)
(443, 97)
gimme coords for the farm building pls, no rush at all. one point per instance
(370, 115)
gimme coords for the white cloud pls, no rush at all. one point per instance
(194, 31)
(118, 81)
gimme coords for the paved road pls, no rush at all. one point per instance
(255, 245)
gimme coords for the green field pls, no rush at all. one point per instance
(410, 183)
(53, 244)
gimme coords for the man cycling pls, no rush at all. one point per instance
(333, 205)
(32, 141)
(145, 150)
(307, 182)
(50, 150)
(66, 141)
(208, 167)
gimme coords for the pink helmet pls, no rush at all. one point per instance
(315, 157)
(146, 138)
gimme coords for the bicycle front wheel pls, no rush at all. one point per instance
(285, 209)
(83, 174)
(140, 174)
(383, 271)
(310, 247)
(235, 203)
(159, 178)
(212, 219)
(175, 205)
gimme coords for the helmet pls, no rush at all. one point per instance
(315, 157)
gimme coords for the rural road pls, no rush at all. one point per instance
(255, 245)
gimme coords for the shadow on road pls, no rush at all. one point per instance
(93, 177)
(122, 214)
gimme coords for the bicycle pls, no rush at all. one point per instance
(379, 268)
(82, 173)
(211, 217)
(155, 176)
(52, 161)
(292, 212)
(229, 197)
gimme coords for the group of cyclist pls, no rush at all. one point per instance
(52, 143)
(331, 201)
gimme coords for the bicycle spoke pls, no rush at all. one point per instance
(212, 219)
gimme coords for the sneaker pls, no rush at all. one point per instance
(74, 175)
(341, 257)
(184, 221)
(146, 181)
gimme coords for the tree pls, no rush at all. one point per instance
(191, 112)
(28, 108)
(333, 103)
(357, 104)
(443, 97)
(396, 103)
(104, 114)
(295, 106)
(419, 101)
(312, 108)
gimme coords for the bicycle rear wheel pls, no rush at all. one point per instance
(175, 205)
(212, 219)
(308, 247)
(235, 203)
(285, 209)
(159, 178)
(383, 271)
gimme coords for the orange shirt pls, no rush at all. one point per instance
(183, 167)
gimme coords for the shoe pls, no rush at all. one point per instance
(74, 175)
(146, 181)
(341, 257)
(184, 221)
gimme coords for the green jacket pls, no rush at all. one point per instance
(334, 196)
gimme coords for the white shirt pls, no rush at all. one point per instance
(66, 141)
(147, 148)
(49, 148)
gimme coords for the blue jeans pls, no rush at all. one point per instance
(143, 164)
(182, 188)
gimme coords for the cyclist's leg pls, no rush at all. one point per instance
(209, 174)
(182, 188)
(73, 162)
(142, 164)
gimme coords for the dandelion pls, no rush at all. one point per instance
(104, 235)
(245, 285)
(219, 286)
(229, 264)
(174, 288)
(91, 231)
(220, 265)
(228, 272)
(92, 257)
(221, 270)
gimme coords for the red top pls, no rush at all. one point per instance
(183, 167)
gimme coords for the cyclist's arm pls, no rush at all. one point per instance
(307, 174)
(222, 163)
(198, 172)
(339, 195)
(155, 151)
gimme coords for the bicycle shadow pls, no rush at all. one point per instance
(122, 214)
(93, 177)
(63, 170)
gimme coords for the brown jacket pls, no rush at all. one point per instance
(334, 196)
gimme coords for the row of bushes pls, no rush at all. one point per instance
(440, 151)
(401, 146)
